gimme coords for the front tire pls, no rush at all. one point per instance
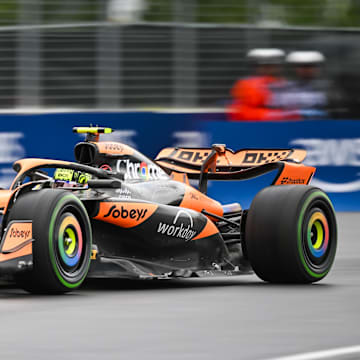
(62, 240)
(291, 234)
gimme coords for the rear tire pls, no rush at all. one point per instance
(291, 234)
(62, 240)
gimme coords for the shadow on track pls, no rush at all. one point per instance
(191, 283)
(10, 290)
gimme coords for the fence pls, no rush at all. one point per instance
(159, 53)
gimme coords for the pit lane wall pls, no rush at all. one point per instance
(333, 145)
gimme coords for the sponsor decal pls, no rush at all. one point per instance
(260, 157)
(64, 174)
(17, 234)
(106, 167)
(190, 155)
(290, 181)
(71, 175)
(114, 148)
(125, 214)
(332, 152)
(178, 229)
(194, 196)
(144, 171)
(139, 171)
(123, 193)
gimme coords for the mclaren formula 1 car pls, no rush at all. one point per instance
(116, 213)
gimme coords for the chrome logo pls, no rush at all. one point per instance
(144, 171)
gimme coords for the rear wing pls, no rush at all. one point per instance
(221, 163)
(191, 159)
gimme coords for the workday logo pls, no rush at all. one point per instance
(332, 152)
(178, 229)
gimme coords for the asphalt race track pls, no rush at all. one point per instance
(218, 318)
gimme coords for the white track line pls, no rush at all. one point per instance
(325, 354)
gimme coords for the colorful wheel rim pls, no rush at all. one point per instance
(318, 234)
(69, 205)
(70, 241)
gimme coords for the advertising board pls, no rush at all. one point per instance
(333, 146)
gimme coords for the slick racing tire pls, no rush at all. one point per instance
(62, 240)
(291, 234)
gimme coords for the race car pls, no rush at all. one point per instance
(116, 213)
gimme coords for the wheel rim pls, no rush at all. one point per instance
(70, 242)
(317, 235)
(70, 276)
(71, 252)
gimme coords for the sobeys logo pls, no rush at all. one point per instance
(16, 233)
(139, 171)
(18, 236)
(123, 213)
(178, 231)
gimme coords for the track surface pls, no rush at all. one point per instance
(227, 318)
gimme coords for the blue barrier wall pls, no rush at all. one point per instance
(333, 146)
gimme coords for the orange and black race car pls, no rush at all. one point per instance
(116, 213)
